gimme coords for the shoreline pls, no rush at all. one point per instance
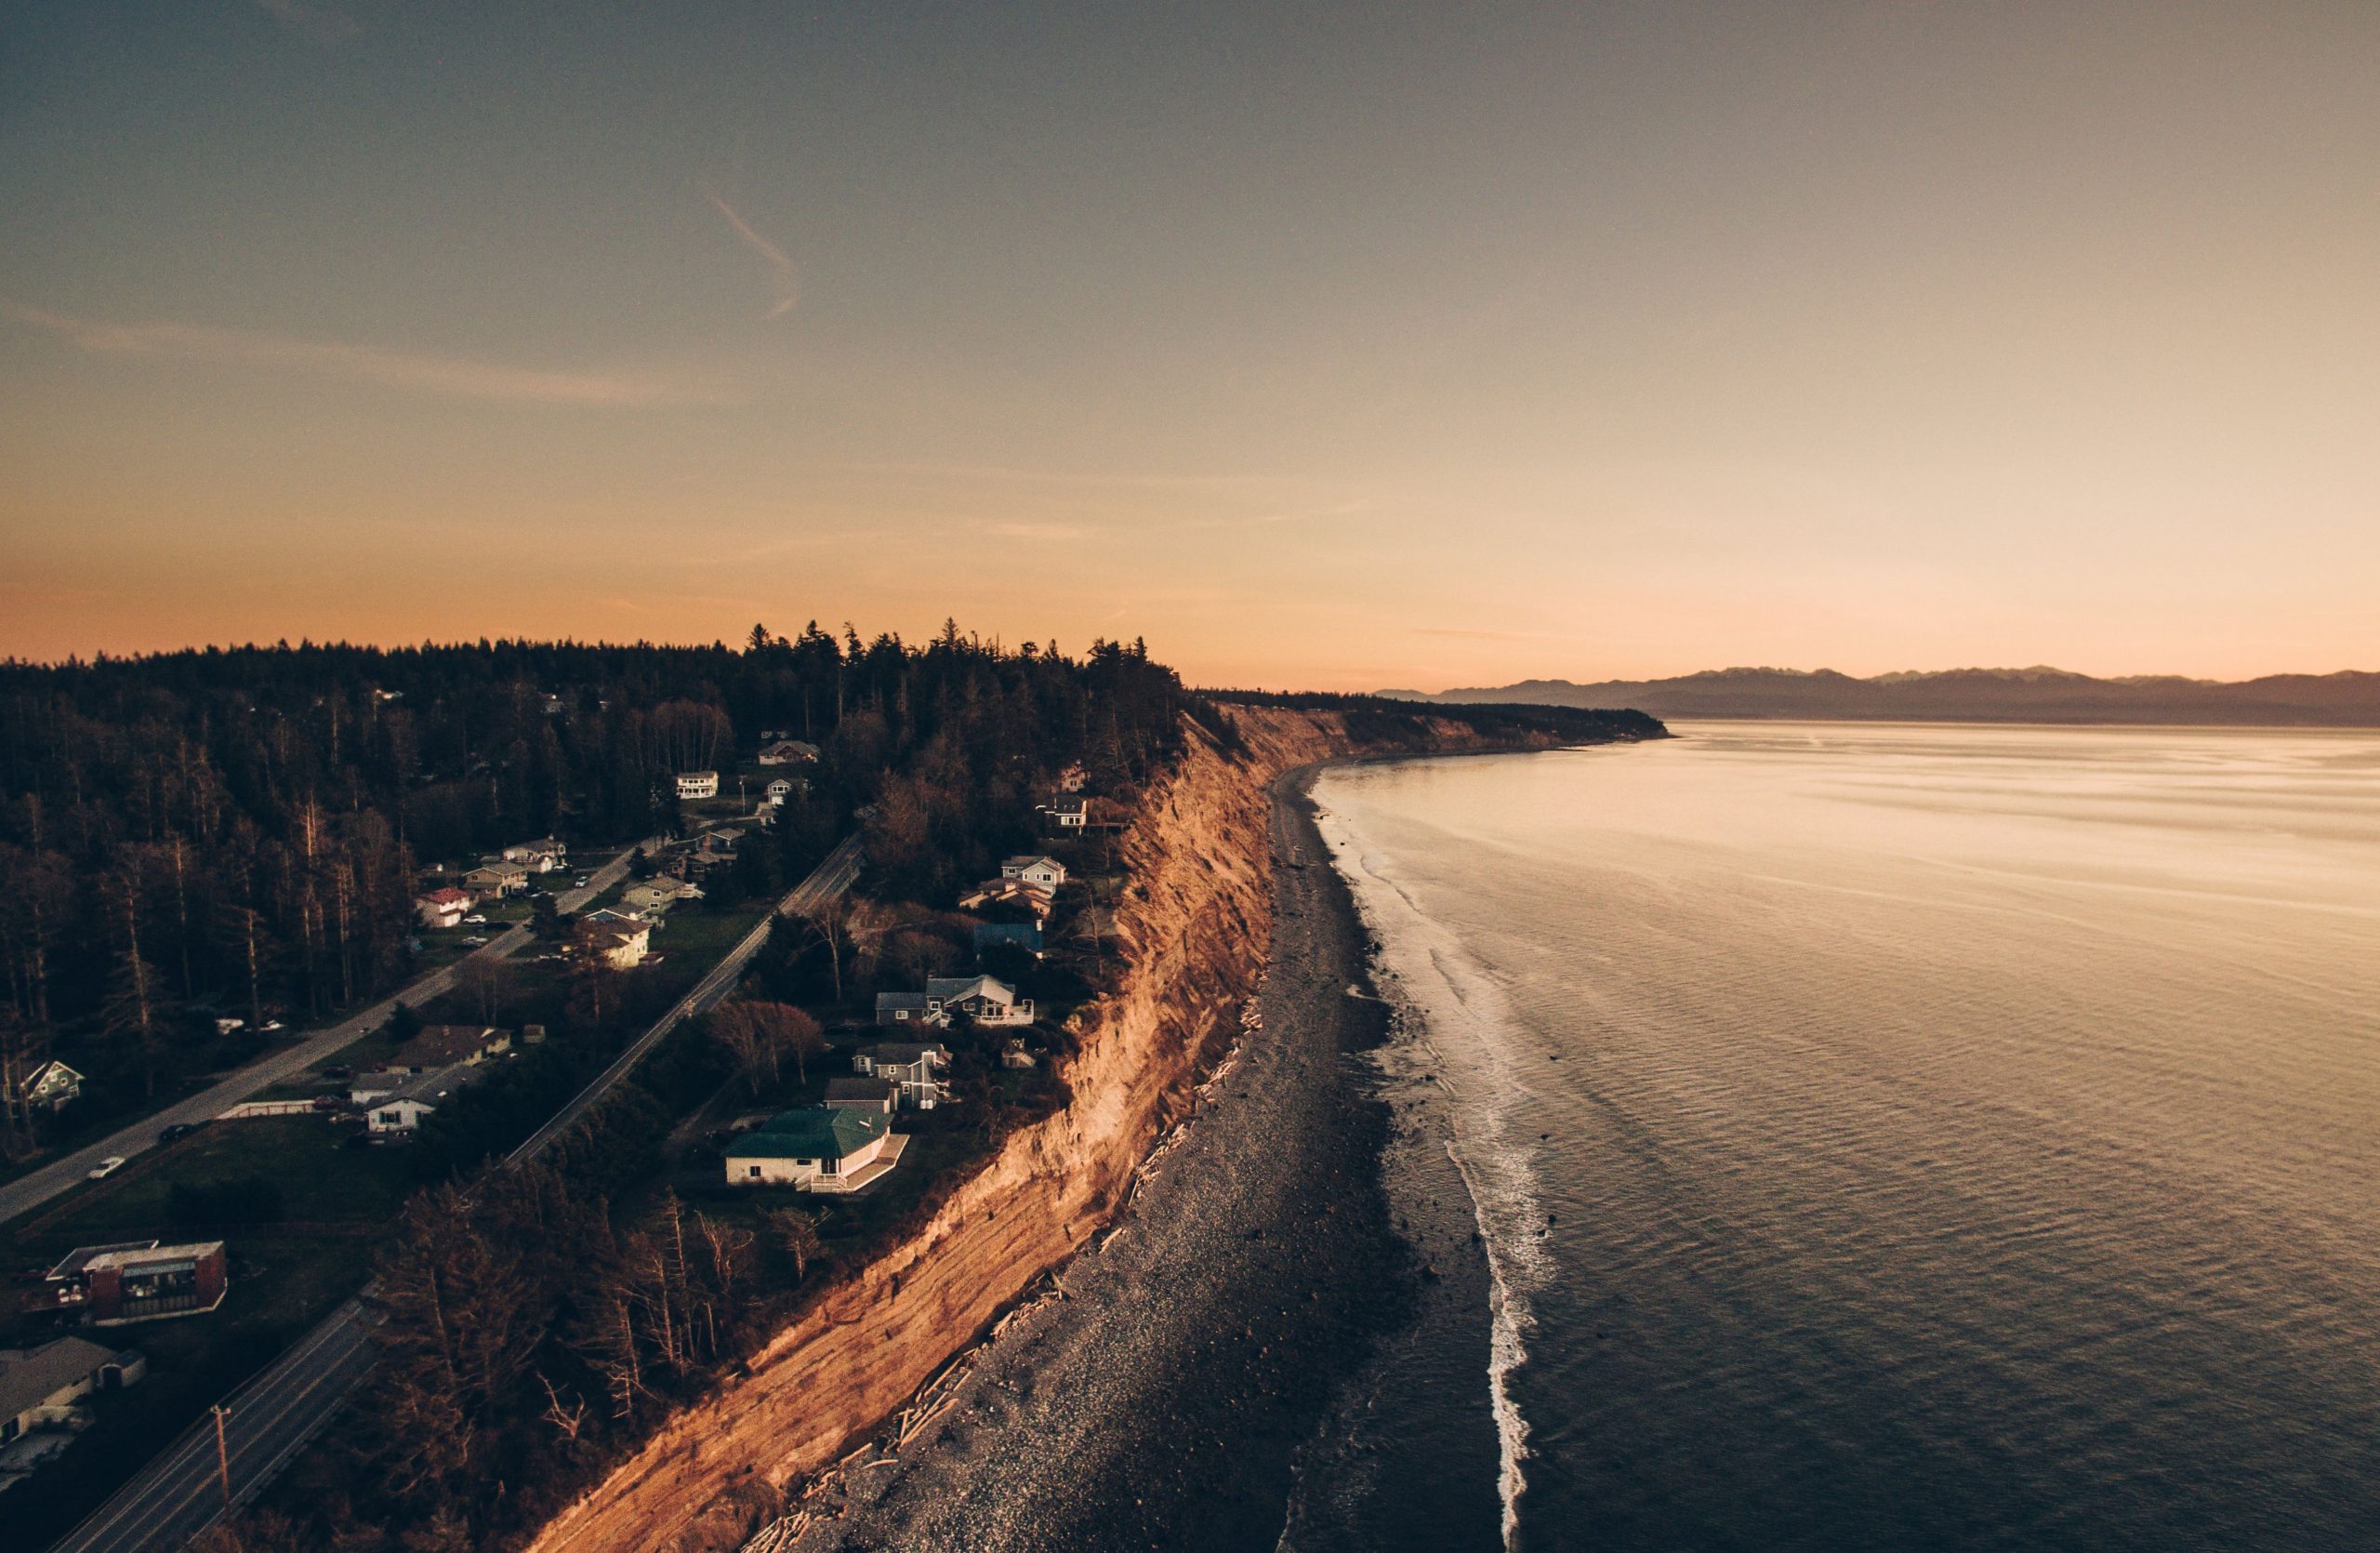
(1227, 1365)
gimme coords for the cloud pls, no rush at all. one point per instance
(784, 285)
(457, 376)
(1040, 530)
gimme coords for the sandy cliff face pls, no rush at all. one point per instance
(1194, 927)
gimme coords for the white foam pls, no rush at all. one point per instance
(1454, 1017)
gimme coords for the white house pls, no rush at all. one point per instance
(1068, 814)
(538, 857)
(402, 1110)
(497, 877)
(818, 1151)
(698, 784)
(621, 945)
(442, 908)
(779, 791)
(39, 1387)
(50, 1087)
(1045, 872)
(659, 895)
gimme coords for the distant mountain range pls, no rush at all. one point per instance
(2343, 700)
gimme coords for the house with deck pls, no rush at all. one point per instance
(1067, 814)
(50, 1087)
(986, 1000)
(816, 1150)
(545, 856)
(495, 879)
(697, 784)
(137, 1280)
(789, 751)
(658, 894)
(399, 1111)
(880, 1095)
(1008, 895)
(1044, 873)
(916, 1069)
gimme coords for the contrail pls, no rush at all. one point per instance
(787, 288)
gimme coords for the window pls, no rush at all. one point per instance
(755, 1173)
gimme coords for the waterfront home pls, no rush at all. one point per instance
(440, 1047)
(698, 784)
(1068, 814)
(441, 907)
(401, 1110)
(137, 1280)
(816, 1150)
(1046, 874)
(866, 1094)
(1008, 894)
(915, 1069)
(1023, 936)
(789, 751)
(39, 1387)
(495, 879)
(50, 1087)
(986, 1000)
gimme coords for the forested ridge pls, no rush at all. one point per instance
(237, 831)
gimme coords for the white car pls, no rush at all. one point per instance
(474, 942)
(270, 1026)
(475, 919)
(106, 1168)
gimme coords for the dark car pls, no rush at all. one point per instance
(177, 1131)
(338, 1072)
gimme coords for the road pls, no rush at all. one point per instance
(31, 1191)
(269, 1419)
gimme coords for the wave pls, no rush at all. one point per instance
(1454, 1025)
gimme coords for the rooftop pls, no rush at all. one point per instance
(811, 1134)
(29, 1380)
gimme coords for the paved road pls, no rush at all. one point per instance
(271, 1418)
(31, 1191)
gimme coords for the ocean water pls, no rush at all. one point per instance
(1904, 1137)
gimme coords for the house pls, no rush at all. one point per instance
(137, 1280)
(659, 895)
(789, 751)
(1023, 936)
(1008, 893)
(915, 1069)
(401, 1110)
(1073, 778)
(1068, 814)
(539, 857)
(779, 791)
(50, 1087)
(440, 1047)
(698, 784)
(622, 945)
(1045, 872)
(866, 1094)
(39, 1386)
(985, 1000)
(495, 879)
(720, 842)
(818, 1151)
(442, 908)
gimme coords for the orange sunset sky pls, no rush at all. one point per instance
(1319, 345)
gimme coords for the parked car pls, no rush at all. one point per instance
(177, 1131)
(338, 1071)
(106, 1168)
(580, 883)
(270, 1025)
(474, 942)
(475, 920)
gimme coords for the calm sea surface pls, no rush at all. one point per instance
(1909, 1136)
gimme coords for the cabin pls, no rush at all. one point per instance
(816, 1150)
(1045, 873)
(39, 1387)
(698, 784)
(50, 1087)
(442, 908)
(789, 751)
(137, 1280)
(915, 1069)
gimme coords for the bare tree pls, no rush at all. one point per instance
(798, 1232)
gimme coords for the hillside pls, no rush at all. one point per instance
(2348, 699)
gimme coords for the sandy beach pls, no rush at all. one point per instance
(1228, 1367)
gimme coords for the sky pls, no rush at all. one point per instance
(1328, 346)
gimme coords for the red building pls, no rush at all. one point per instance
(137, 1280)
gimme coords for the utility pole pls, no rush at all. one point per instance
(222, 1457)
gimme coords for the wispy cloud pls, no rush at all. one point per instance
(457, 376)
(1040, 530)
(784, 288)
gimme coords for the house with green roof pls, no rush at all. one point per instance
(816, 1150)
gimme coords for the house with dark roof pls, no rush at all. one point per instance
(916, 1068)
(1068, 814)
(440, 1047)
(816, 1150)
(39, 1387)
(986, 1000)
(50, 1087)
(135, 1281)
(1046, 874)
(401, 1110)
(1023, 936)
(866, 1094)
(789, 751)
